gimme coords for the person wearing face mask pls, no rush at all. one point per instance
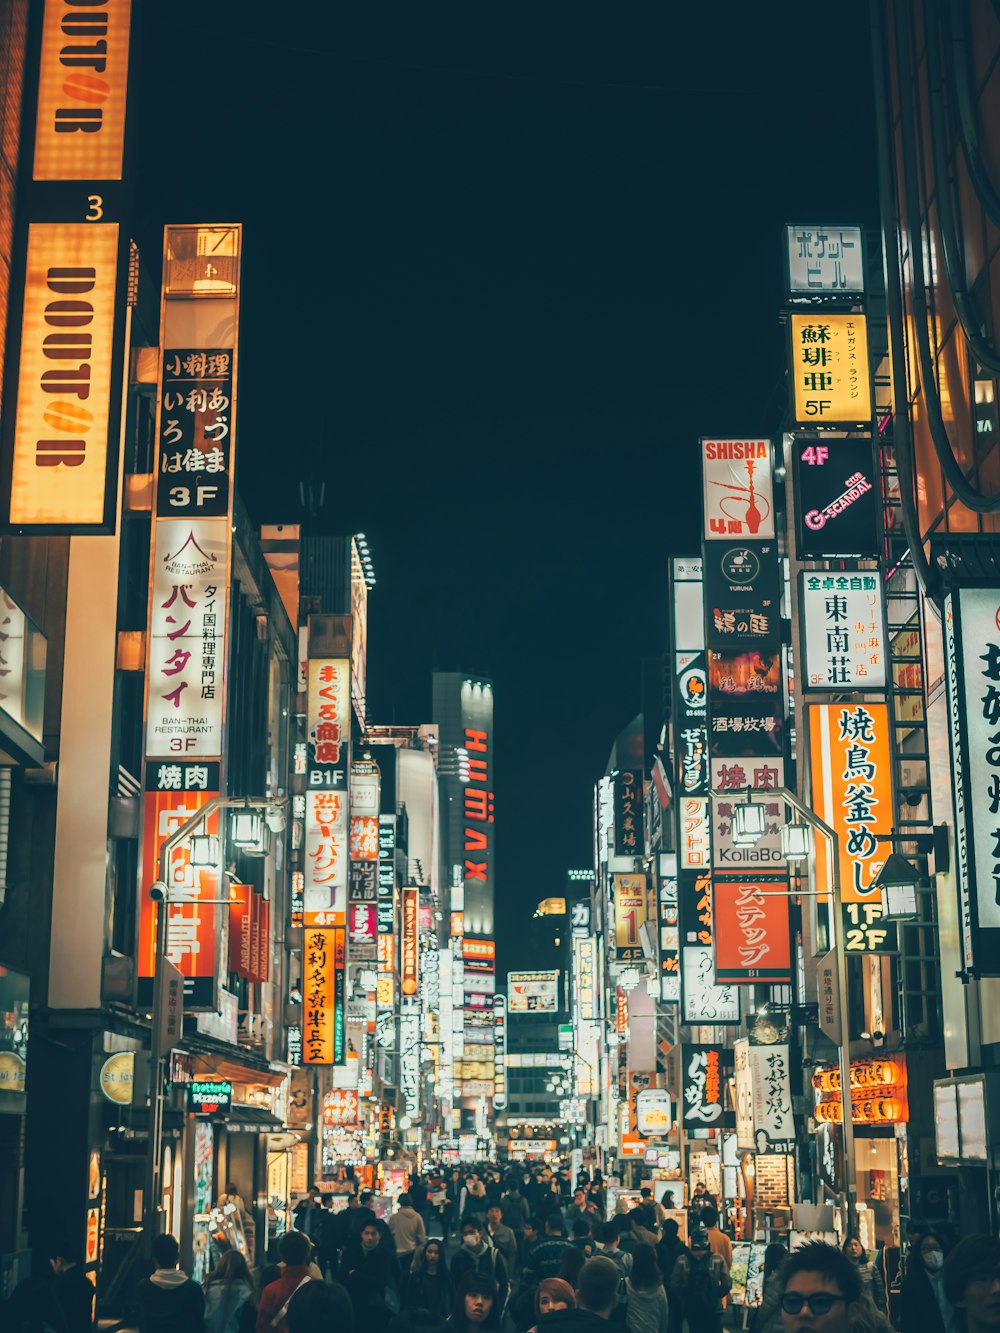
(923, 1305)
(478, 1255)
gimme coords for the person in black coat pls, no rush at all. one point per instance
(369, 1271)
(428, 1284)
(923, 1305)
(73, 1289)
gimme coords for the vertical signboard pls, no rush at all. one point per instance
(499, 1053)
(755, 943)
(68, 323)
(478, 807)
(972, 627)
(409, 966)
(742, 597)
(327, 822)
(82, 91)
(743, 1095)
(842, 635)
(738, 494)
(630, 915)
(175, 793)
(323, 996)
(773, 1121)
(668, 932)
(830, 376)
(852, 792)
(703, 1087)
(66, 423)
(836, 499)
(731, 778)
(187, 639)
(629, 839)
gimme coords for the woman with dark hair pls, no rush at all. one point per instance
(647, 1310)
(320, 1307)
(570, 1263)
(768, 1318)
(229, 1302)
(869, 1272)
(923, 1305)
(428, 1285)
(476, 1305)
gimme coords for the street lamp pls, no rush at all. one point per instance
(813, 820)
(898, 883)
(795, 841)
(749, 822)
(161, 895)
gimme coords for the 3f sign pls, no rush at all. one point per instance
(180, 496)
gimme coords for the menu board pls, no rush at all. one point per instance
(747, 1273)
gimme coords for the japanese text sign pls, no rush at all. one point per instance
(842, 633)
(630, 915)
(65, 429)
(972, 627)
(752, 939)
(329, 724)
(82, 86)
(825, 261)
(743, 1094)
(409, 956)
(704, 1000)
(746, 703)
(192, 927)
(340, 1109)
(742, 596)
(703, 1087)
(584, 977)
(852, 792)
(668, 938)
(187, 638)
(195, 438)
(737, 480)
(830, 375)
(322, 998)
(629, 837)
(763, 773)
(773, 1121)
(532, 992)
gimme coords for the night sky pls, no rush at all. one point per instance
(502, 267)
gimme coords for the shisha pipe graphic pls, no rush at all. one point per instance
(752, 516)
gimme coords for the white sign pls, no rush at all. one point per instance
(773, 1121)
(532, 992)
(825, 261)
(327, 859)
(704, 1001)
(743, 1089)
(187, 638)
(409, 1056)
(974, 689)
(739, 500)
(734, 776)
(958, 757)
(842, 632)
(653, 1113)
(364, 794)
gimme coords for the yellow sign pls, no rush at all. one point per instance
(64, 387)
(630, 915)
(11, 1072)
(830, 374)
(117, 1074)
(82, 83)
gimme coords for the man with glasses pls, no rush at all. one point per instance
(972, 1283)
(822, 1292)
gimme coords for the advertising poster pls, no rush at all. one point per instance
(532, 992)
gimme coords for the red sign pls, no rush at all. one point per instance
(340, 1109)
(752, 938)
(192, 928)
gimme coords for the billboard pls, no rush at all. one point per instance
(972, 632)
(323, 996)
(737, 489)
(65, 438)
(630, 915)
(837, 500)
(175, 793)
(746, 694)
(532, 992)
(753, 942)
(825, 261)
(852, 792)
(187, 638)
(842, 633)
(831, 382)
(742, 596)
(82, 87)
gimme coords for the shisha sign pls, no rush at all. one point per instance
(739, 500)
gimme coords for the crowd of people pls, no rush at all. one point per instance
(532, 1252)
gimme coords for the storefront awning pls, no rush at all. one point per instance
(251, 1120)
(218, 1066)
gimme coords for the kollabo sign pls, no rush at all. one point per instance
(66, 418)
